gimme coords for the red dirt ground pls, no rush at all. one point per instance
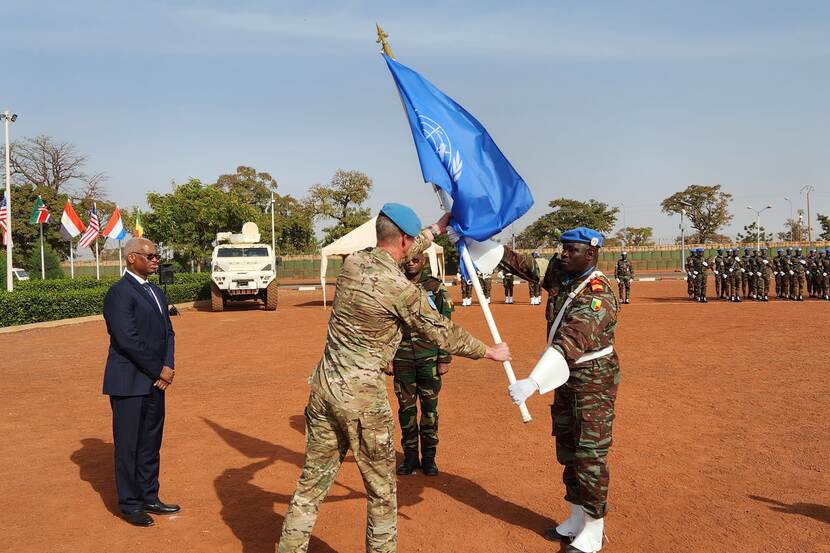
(721, 442)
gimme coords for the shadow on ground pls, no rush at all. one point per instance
(95, 460)
(815, 511)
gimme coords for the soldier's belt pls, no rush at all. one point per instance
(604, 352)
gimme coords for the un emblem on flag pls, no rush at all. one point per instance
(442, 145)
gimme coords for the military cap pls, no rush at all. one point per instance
(535, 254)
(746, 250)
(813, 251)
(763, 248)
(798, 249)
(403, 217)
(720, 250)
(583, 236)
(827, 250)
(780, 250)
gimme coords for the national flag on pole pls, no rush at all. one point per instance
(71, 224)
(115, 227)
(91, 234)
(138, 232)
(457, 154)
(4, 220)
(40, 213)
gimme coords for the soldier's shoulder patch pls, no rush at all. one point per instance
(596, 304)
(596, 285)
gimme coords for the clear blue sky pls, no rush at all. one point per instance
(622, 101)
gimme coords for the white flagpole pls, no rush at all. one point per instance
(444, 201)
(42, 265)
(71, 258)
(120, 268)
(97, 265)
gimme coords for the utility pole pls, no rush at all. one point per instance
(758, 224)
(9, 264)
(809, 188)
(273, 236)
(683, 237)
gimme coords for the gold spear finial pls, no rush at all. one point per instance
(382, 36)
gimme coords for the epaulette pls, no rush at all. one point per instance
(596, 285)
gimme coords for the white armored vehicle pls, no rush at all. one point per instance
(242, 269)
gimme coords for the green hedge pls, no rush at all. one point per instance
(50, 300)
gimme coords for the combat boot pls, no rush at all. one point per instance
(428, 466)
(410, 463)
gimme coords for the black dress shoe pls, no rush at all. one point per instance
(138, 518)
(551, 534)
(160, 508)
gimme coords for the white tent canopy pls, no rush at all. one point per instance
(364, 237)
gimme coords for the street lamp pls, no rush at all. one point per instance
(791, 207)
(809, 188)
(9, 265)
(683, 236)
(758, 224)
(624, 227)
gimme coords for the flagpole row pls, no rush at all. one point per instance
(71, 258)
(42, 264)
(97, 265)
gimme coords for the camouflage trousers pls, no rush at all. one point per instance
(583, 414)
(745, 284)
(700, 285)
(535, 289)
(735, 285)
(508, 288)
(778, 289)
(796, 285)
(486, 286)
(625, 288)
(330, 433)
(785, 284)
(690, 284)
(416, 382)
(466, 289)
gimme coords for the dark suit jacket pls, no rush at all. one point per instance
(141, 338)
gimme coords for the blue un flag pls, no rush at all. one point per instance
(458, 155)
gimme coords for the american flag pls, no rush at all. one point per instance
(4, 225)
(91, 233)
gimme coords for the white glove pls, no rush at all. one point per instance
(792, 273)
(705, 264)
(775, 273)
(522, 389)
(694, 273)
(802, 261)
(743, 270)
(618, 280)
(824, 274)
(759, 274)
(766, 262)
(452, 234)
(730, 270)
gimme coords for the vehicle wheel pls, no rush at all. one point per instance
(272, 296)
(217, 302)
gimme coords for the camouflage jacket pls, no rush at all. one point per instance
(719, 264)
(764, 266)
(699, 265)
(825, 265)
(778, 263)
(798, 265)
(373, 302)
(812, 264)
(623, 269)
(415, 349)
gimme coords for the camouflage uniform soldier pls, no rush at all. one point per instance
(583, 408)
(777, 271)
(486, 281)
(718, 266)
(755, 276)
(787, 274)
(735, 269)
(765, 268)
(690, 281)
(797, 279)
(466, 291)
(825, 273)
(418, 367)
(507, 280)
(810, 272)
(745, 268)
(348, 407)
(699, 268)
(623, 273)
(535, 287)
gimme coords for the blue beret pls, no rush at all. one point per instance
(582, 235)
(812, 251)
(780, 250)
(763, 249)
(827, 250)
(798, 249)
(403, 217)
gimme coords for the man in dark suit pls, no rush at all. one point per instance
(139, 370)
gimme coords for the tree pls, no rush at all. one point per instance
(707, 210)
(795, 231)
(632, 236)
(251, 186)
(43, 162)
(824, 221)
(51, 263)
(716, 238)
(188, 218)
(451, 263)
(567, 214)
(294, 223)
(753, 234)
(341, 200)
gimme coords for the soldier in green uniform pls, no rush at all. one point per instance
(765, 268)
(466, 291)
(718, 265)
(535, 287)
(690, 281)
(623, 273)
(348, 407)
(486, 281)
(699, 269)
(798, 265)
(787, 274)
(507, 281)
(777, 268)
(810, 272)
(583, 408)
(735, 271)
(825, 273)
(745, 273)
(754, 273)
(418, 367)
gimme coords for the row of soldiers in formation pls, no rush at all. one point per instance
(507, 278)
(750, 275)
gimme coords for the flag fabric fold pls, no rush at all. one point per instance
(457, 154)
(71, 224)
(115, 227)
(4, 221)
(40, 213)
(138, 231)
(92, 230)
